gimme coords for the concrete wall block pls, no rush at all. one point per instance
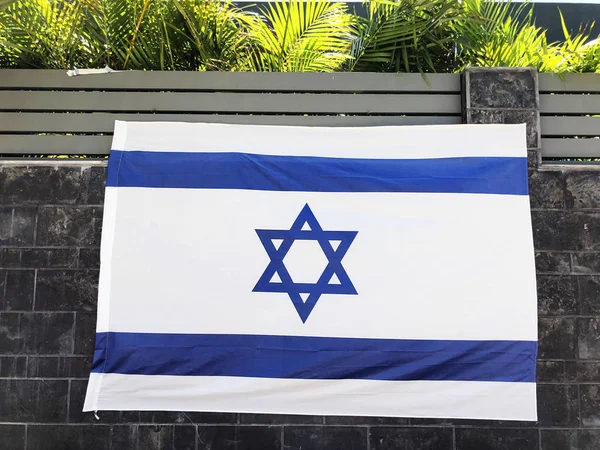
(41, 184)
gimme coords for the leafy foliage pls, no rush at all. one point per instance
(301, 36)
(498, 34)
(43, 34)
(286, 36)
(405, 35)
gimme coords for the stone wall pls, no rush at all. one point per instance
(50, 225)
(50, 218)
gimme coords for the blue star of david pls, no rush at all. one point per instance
(324, 284)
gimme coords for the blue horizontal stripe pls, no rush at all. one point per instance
(489, 175)
(314, 357)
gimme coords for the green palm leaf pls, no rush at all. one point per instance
(301, 36)
(405, 35)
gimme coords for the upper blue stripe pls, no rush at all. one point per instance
(477, 175)
(314, 357)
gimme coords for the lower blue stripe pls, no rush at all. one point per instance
(314, 357)
(485, 175)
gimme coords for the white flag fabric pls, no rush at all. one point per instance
(368, 271)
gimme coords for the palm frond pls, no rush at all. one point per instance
(404, 35)
(301, 36)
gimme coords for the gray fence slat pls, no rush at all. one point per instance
(229, 102)
(571, 148)
(572, 82)
(104, 122)
(565, 126)
(569, 104)
(11, 144)
(231, 81)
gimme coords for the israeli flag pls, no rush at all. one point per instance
(376, 271)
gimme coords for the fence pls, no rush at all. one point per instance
(45, 112)
(570, 115)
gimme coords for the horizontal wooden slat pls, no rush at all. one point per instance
(104, 122)
(572, 82)
(571, 148)
(562, 126)
(229, 102)
(11, 144)
(231, 81)
(569, 104)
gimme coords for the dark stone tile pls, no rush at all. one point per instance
(587, 372)
(325, 438)
(583, 190)
(124, 437)
(589, 295)
(42, 184)
(89, 258)
(354, 420)
(65, 437)
(557, 295)
(583, 230)
(2, 286)
(502, 88)
(553, 262)
(49, 258)
(392, 438)
(66, 290)
(47, 333)
(557, 405)
(549, 230)
(13, 366)
(559, 440)
(184, 437)
(484, 116)
(550, 371)
(33, 400)
(496, 439)
(25, 184)
(588, 439)
(19, 290)
(239, 438)
(586, 263)
(85, 333)
(24, 226)
(218, 437)
(588, 338)
(5, 225)
(58, 366)
(557, 230)
(183, 417)
(531, 119)
(97, 183)
(11, 338)
(590, 405)
(534, 159)
(69, 226)
(10, 258)
(547, 190)
(581, 439)
(12, 437)
(277, 419)
(256, 438)
(557, 338)
(155, 437)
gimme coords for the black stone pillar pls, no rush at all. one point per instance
(504, 95)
